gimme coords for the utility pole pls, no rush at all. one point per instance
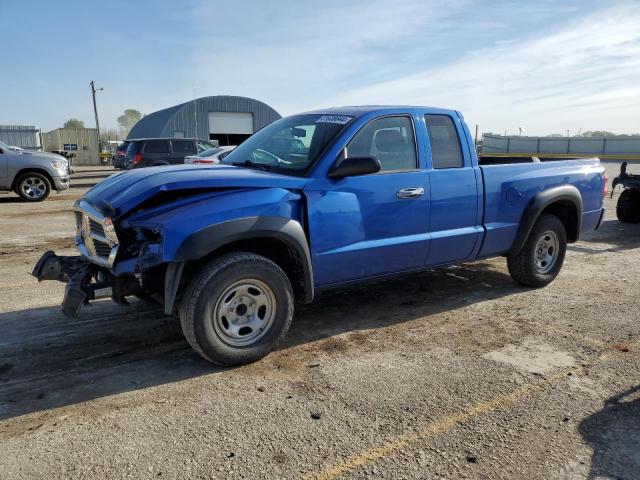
(95, 111)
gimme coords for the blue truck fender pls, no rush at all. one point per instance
(200, 244)
(565, 201)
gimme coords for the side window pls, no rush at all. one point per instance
(184, 146)
(444, 140)
(157, 146)
(390, 140)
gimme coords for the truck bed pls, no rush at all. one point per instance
(509, 187)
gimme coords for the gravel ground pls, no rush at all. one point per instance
(454, 373)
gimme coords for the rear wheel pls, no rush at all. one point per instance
(237, 309)
(539, 261)
(33, 187)
(628, 206)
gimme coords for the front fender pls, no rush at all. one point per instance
(193, 229)
(289, 231)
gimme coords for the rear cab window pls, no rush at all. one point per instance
(446, 151)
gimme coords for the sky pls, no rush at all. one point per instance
(546, 66)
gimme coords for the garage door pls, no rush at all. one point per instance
(231, 122)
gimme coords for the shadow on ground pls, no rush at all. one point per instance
(621, 236)
(614, 435)
(50, 361)
(11, 199)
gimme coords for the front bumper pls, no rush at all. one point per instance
(61, 183)
(85, 281)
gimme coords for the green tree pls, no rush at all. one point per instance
(129, 118)
(73, 123)
(598, 133)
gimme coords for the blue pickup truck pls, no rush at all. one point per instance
(316, 201)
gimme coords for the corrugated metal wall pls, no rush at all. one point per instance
(84, 138)
(183, 118)
(561, 145)
(24, 136)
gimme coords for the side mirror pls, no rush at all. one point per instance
(354, 166)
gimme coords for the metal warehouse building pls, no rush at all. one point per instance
(23, 136)
(227, 119)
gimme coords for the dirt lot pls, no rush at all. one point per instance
(455, 373)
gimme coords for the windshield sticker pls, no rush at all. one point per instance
(340, 119)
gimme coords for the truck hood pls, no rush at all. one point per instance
(121, 193)
(42, 155)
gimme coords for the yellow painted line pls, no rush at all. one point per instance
(444, 424)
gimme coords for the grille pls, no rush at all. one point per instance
(91, 238)
(102, 249)
(96, 227)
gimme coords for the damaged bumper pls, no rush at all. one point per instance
(84, 280)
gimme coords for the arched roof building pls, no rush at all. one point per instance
(227, 119)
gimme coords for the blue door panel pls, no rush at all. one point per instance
(360, 228)
(453, 245)
(455, 206)
(364, 259)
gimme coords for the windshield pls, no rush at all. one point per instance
(202, 146)
(4, 146)
(290, 145)
(211, 151)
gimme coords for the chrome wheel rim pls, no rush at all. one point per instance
(244, 312)
(33, 187)
(546, 253)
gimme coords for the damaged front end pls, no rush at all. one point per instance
(85, 281)
(93, 274)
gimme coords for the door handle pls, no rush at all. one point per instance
(410, 192)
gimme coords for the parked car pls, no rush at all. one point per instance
(373, 192)
(118, 158)
(32, 174)
(209, 157)
(153, 152)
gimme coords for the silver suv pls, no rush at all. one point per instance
(32, 175)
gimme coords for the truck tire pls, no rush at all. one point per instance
(33, 187)
(237, 309)
(628, 206)
(539, 261)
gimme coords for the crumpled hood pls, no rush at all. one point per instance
(123, 192)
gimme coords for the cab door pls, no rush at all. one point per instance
(371, 225)
(455, 199)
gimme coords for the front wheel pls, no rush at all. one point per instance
(539, 261)
(237, 309)
(33, 187)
